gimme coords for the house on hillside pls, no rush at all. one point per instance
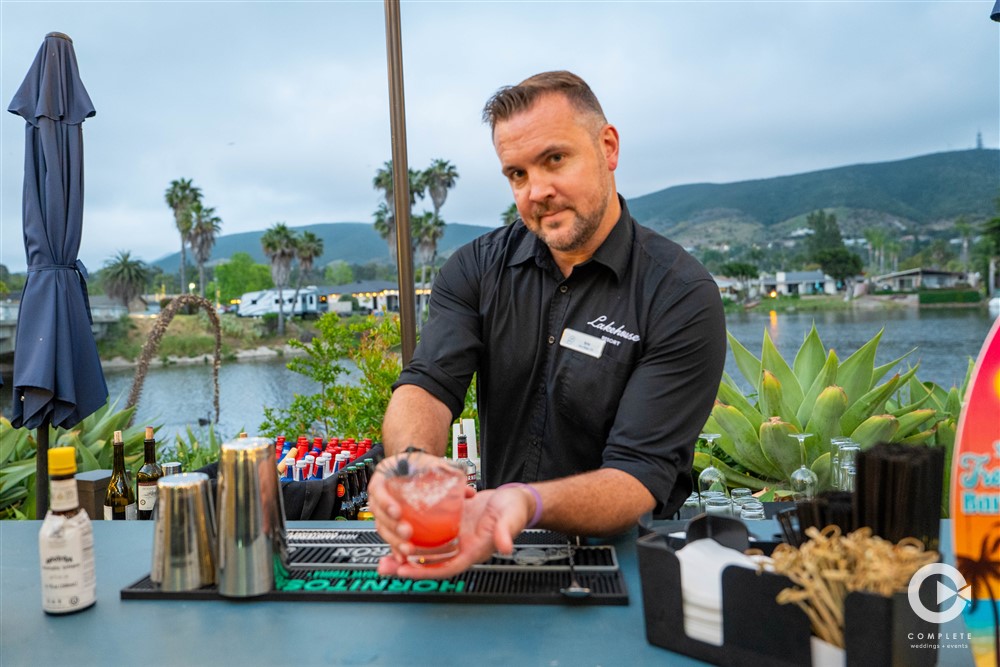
(804, 283)
(914, 279)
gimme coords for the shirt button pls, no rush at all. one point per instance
(552, 339)
(563, 289)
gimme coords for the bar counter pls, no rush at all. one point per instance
(248, 632)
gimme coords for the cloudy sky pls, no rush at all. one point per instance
(279, 110)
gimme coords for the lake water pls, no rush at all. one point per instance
(944, 339)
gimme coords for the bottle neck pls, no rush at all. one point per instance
(63, 495)
(149, 451)
(119, 458)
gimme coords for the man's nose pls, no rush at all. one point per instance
(540, 188)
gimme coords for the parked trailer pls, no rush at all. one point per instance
(260, 303)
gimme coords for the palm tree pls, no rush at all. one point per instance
(510, 215)
(385, 225)
(308, 248)
(427, 231)
(278, 243)
(440, 177)
(876, 239)
(385, 218)
(180, 196)
(205, 227)
(124, 278)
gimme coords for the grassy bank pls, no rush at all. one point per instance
(192, 336)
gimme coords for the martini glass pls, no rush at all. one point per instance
(711, 481)
(803, 480)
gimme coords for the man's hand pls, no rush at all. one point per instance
(490, 522)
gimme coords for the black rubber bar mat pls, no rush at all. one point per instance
(340, 565)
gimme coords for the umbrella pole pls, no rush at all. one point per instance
(401, 180)
(42, 469)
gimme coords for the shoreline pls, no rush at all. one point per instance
(260, 353)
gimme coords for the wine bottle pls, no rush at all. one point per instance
(119, 501)
(147, 477)
(66, 542)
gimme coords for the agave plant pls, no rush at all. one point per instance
(91, 438)
(822, 395)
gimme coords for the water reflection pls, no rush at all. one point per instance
(942, 341)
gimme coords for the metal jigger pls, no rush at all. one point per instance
(251, 519)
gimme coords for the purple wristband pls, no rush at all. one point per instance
(538, 500)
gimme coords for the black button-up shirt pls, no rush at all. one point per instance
(551, 402)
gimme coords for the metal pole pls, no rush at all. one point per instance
(401, 180)
(42, 469)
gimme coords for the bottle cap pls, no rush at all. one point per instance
(62, 461)
(171, 468)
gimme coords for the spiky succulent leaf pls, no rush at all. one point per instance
(734, 397)
(880, 371)
(773, 400)
(919, 438)
(825, 423)
(911, 421)
(724, 441)
(826, 376)
(745, 439)
(855, 374)
(771, 360)
(871, 402)
(778, 446)
(877, 428)
(953, 404)
(821, 466)
(748, 364)
(810, 358)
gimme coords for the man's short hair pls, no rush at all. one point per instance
(509, 101)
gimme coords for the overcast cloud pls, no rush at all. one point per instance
(279, 110)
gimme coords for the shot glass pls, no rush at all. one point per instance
(430, 492)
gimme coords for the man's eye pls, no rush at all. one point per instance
(558, 157)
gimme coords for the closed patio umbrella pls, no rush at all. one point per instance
(57, 373)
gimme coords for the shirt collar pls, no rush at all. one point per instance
(614, 253)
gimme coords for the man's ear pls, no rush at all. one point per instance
(609, 143)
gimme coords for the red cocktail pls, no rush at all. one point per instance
(431, 498)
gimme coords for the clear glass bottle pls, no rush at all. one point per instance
(119, 501)
(147, 477)
(66, 542)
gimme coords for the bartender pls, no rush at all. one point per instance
(597, 345)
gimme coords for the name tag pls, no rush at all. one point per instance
(581, 342)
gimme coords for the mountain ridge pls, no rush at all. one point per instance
(925, 193)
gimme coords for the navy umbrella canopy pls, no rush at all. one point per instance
(57, 372)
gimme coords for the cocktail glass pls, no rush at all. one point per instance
(430, 493)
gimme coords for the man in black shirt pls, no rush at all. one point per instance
(599, 344)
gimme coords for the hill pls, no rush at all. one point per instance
(353, 242)
(921, 194)
(925, 192)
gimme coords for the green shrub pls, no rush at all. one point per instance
(936, 296)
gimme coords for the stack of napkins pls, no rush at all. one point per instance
(702, 563)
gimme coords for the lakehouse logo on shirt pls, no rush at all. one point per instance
(602, 324)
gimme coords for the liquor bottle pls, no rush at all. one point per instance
(353, 493)
(345, 511)
(119, 501)
(147, 477)
(66, 541)
(171, 468)
(362, 473)
(463, 458)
